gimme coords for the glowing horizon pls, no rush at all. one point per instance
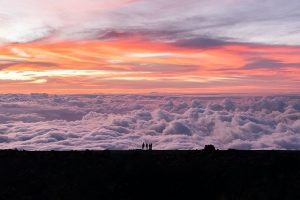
(66, 50)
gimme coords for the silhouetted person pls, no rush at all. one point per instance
(147, 146)
(150, 146)
(143, 146)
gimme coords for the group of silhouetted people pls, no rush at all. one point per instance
(147, 146)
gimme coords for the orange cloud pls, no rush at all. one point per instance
(137, 65)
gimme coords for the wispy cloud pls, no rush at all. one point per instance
(207, 44)
(140, 62)
(269, 22)
(269, 64)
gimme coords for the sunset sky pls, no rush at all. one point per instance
(141, 46)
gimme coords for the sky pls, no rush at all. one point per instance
(143, 46)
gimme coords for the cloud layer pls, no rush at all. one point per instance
(251, 21)
(45, 122)
(138, 65)
(138, 46)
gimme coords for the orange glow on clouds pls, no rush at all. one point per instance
(138, 65)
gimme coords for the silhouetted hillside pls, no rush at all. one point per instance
(150, 174)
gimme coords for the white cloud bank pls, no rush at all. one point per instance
(46, 122)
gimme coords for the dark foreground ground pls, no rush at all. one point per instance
(150, 175)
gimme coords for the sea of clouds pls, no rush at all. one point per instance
(74, 122)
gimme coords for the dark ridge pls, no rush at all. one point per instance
(137, 174)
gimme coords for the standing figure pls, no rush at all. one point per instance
(143, 145)
(150, 146)
(146, 146)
